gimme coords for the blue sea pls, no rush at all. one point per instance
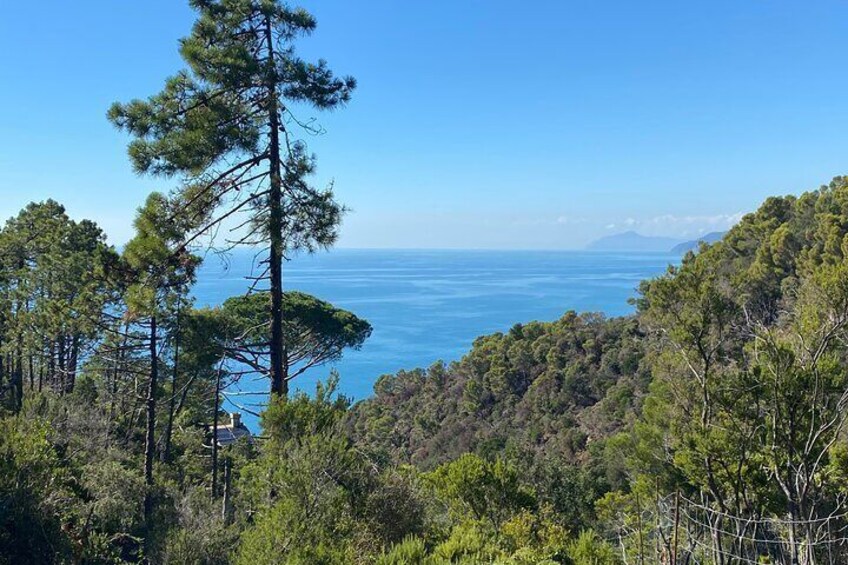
(428, 305)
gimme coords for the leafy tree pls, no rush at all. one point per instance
(747, 405)
(315, 331)
(411, 551)
(31, 490)
(590, 549)
(315, 497)
(478, 489)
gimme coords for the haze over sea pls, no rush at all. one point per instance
(430, 305)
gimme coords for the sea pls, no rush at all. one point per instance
(430, 305)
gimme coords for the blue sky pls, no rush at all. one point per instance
(477, 123)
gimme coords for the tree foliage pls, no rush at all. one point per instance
(315, 332)
(228, 125)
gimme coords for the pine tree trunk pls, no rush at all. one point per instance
(51, 365)
(279, 382)
(73, 359)
(166, 452)
(149, 441)
(226, 504)
(216, 402)
(19, 374)
(60, 360)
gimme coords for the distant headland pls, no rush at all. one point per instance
(633, 241)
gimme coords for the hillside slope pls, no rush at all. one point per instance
(544, 387)
(693, 245)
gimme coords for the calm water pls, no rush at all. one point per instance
(430, 305)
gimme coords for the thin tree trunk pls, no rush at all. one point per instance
(676, 525)
(60, 359)
(73, 359)
(51, 365)
(279, 383)
(216, 401)
(19, 374)
(149, 441)
(226, 505)
(119, 365)
(639, 525)
(166, 452)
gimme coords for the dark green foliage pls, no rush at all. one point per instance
(540, 392)
(66, 494)
(30, 524)
(590, 549)
(313, 492)
(81, 477)
(228, 125)
(215, 108)
(315, 331)
(745, 345)
(479, 490)
(746, 341)
(316, 494)
(544, 396)
(536, 447)
(54, 284)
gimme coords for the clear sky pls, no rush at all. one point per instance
(477, 123)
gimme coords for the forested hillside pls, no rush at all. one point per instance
(547, 388)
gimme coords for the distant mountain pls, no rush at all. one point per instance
(687, 246)
(632, 241)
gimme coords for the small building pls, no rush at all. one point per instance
(233, 432)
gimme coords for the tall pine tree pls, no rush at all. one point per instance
(228, 125)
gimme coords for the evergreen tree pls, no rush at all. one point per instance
(315, 332)
(55, 284)
(228, 124)
(160, 272)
